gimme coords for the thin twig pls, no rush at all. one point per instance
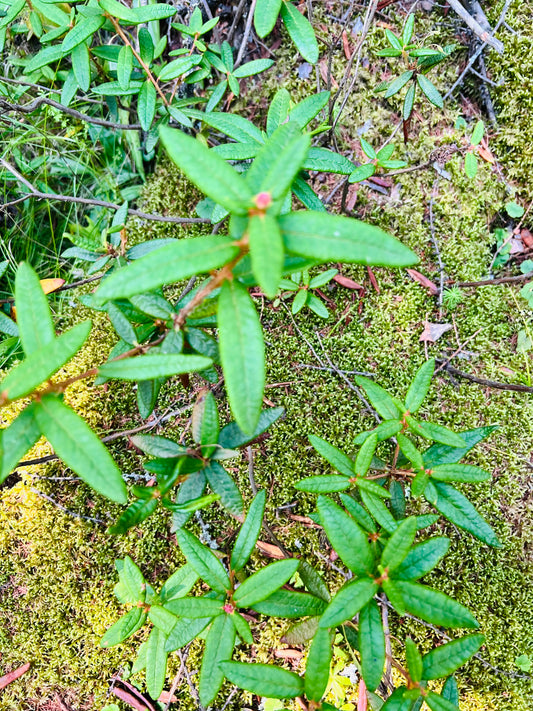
(236, 18)
(436, 244)
(487, 383)
(494, 282)
(476, 28)
(246, 35)
(64, 508)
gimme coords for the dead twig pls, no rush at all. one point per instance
(493, 282)
(476, 28)
(487, 383)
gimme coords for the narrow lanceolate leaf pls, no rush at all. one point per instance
(409, 102)
(242, 628)
(434, 606)
(365, 454)
(397, 84)
(81, 31)
(159, 446)
(179, 260)
(318, 664)
(410, 451)
(444, 660)
(290, 605)
(265, 16)
(264, 679)
(420, 386)
(443, 454)
(146, 105)
(232, 436)
(450, 690)
(79, 447)
(205, 424)
(439, 703)
(422, 558)
(81, 66)
(438, 433)
(148, 367)
(414, 660)
(371, 644)
(346, 537)
(124, 66)
(430, 90)
(195, 607)
(477, 134)
(218, 648)
(379, 398)
(399, 544)
(458, 509)
(179, 583)
(34, 319)
(242, 353)
(470, 165)
(351, 598)
(396, 701)
(338, 460)
(324, 484)
(305, 111)
(459, 472)
(264, 582)
(123, 628)
(267, 252)
(332, 238)
(223, 485)
(17, 439)
(300, 31)
(207, 171)
(156, 662)
(249, 533)
(205, 563)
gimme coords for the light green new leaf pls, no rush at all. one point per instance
(242, 354)
(242, 628)
(265, 16)
(43, 363)
(438, 433)
(318, 664)
(172, 262)
(324, 484)
(203, 561)
(300, 31)
(146, 105)
(267, 253)
(351, 598)
(254, 67)
(414, 660)
(81, 31)
(264, 679)
(264, 582)
(159, 446)
(379, 398)
(410, 451)
(156, 662)
(477, 134)
(124, 66)
(444, 660)
(470, 165)
(17, 439)
(210, 173)
(249, 533)
(420, 386)
(434, 606)
(79, 447)
(47, 55)
(132, 585)
(179, 583)
(305, 111)
(346, 537)
(124, 628)
(371, 644)
(34, 320)
(338, 460)
(218, 648)
(333, 238)
(148, 367)
(399, 544)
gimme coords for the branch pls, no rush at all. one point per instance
(482, 381)
(494, 282)
(476, 28)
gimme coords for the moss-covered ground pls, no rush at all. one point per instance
(57, 571)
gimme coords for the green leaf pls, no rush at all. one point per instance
(324, 484)
(264, 582)
(396, 701)
(408, 102)
(138, 15)
(242, 628)
(362, 172)
(459, 472)
(434, 606)
(210, 173)
(398, 83)
(316, 306)
(179, 583)
(136, 513)
(410, 451)
(420, 386)
(178, 67)
(16, 7)
(351, 598)
(438, 703)
(223, 485)
(265, 16)
(264, 679)
(203, 561)
(430, 90)
(443, 454)
(124, 628)
(394, 595)
(278, 109)
(477, 135)
(8, 326)
(81, 31)
(34, 320)
(205, 425)
(378, 511)
(249, 533)
(254, 67)
(450, 690)
(438, 433)
(301, 632)
(266, 249)
(318, 664)
(393, 40)
(338, 460)
(305, 111)
(371, 640)
(414, 660)
(358, 513)
(195, 607)
(332, 238)
(422, 558)
(470, 165)
(156, 662)
(170, 263)
(47, 55)
(131, 586)
(146, 105)
(184, 631)
(218, 647)
(327, 162)
(444, 660)
(300, 31)
(313, 581)
(290, 605)
(457, 509)
(233, 125)
(365, 455)
(124, 66)
(148, 367)
(379, 398)
(159, 446)
(146, 45)
(242, 354)
(399, 544)
(17, 439)
(346, 537)
(79, 447)
(516, 211)
(81, 66)
(408, 29)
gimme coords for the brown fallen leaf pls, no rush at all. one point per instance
(485, 154)
(12, 675)
(165, 698)
(132, 700)
(527, 238)
(288, 654)
(269, 550)
(424, 281)
(373, 279)
(433, 331)
(346, 45)
(348, 283)
(324, 74)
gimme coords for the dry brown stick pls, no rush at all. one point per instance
(247, 30)
(487, 383)
(493, 282)
(476, 28)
